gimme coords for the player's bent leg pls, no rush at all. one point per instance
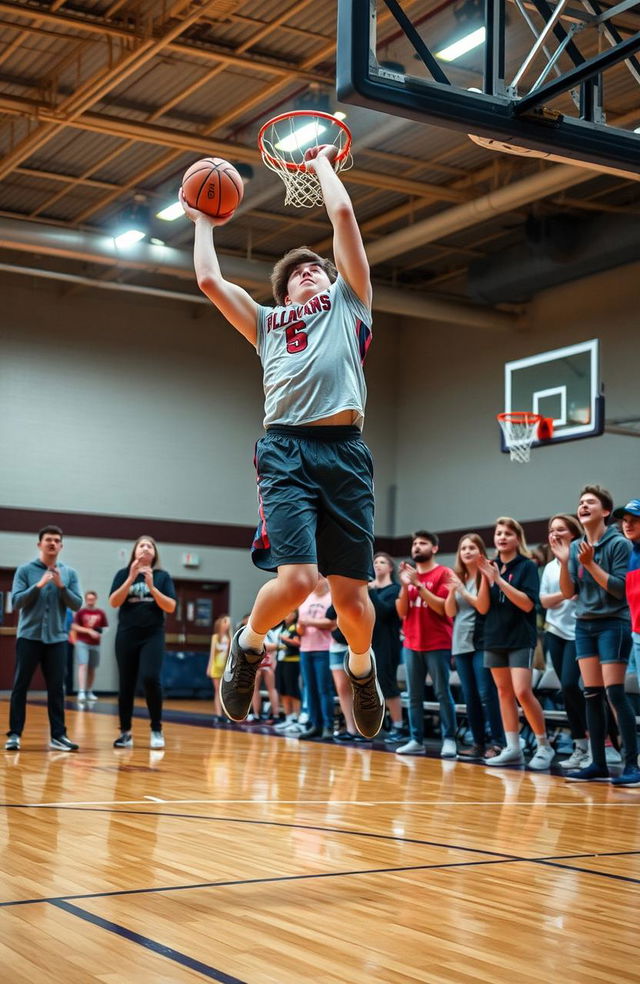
(275, 599)
(356, 618)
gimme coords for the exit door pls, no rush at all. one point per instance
(199, 604)
(8, 630)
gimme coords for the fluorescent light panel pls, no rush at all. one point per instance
(301, 137)
(128, 238)
(171, 212)
(461, 47)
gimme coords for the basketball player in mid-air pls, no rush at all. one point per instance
(314, 470)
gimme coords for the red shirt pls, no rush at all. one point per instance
(90, 618)
(424, 629)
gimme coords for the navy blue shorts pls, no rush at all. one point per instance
(607, 638)
(315, 496)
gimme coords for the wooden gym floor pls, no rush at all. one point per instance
(244, 857)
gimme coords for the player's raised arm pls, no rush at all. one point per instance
(237, 306)
(348, 248)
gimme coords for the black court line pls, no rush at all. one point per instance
(163, 951)
(501, 855)
(589, 871)
(278, 879)
(272, 880)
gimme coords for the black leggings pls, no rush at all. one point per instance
(563, 658)
(140, 653)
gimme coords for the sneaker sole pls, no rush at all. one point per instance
(594, 779)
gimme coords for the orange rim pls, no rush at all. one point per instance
(291, 165)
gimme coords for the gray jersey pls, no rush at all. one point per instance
(312, 356)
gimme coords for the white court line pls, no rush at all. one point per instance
(371, 803)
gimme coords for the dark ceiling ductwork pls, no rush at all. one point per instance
(559, 249)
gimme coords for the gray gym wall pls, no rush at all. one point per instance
(121, 405)
(130, 406)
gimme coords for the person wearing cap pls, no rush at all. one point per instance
(630, 516)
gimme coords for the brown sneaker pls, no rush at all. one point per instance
(237, 681)
(368, 702)
(473, 752)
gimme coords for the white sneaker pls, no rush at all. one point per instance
(411, 748)
(542, 759)
(156, 740)
(613, 756)
(579, 759)
(81, 695)
(508, 756)
(91, 696)
(449, 749)
(294, 729)
(283, 725)
(12, 744)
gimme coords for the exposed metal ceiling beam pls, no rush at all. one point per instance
(87, 247)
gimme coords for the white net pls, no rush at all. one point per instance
(285, 140)
(519, 430)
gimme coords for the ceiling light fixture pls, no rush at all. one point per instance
(463, 45)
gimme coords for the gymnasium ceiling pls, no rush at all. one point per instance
(106, 101)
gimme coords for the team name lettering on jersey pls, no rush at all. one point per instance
(281, 318)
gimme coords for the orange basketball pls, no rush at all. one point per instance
(213, 186)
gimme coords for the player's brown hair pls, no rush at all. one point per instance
(285, 267)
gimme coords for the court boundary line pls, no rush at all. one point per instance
(277, 879)
(160, 949)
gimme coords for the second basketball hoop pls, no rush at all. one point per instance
(284, 141)
(520, 429)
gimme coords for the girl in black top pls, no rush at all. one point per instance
(510, 639)
(143, 593)
(387, 647)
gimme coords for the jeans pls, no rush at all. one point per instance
(438, 664)
(51, 657)
(481, 698)
(563, 659)
(318, 688)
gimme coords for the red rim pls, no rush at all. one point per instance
(291, 165)
(520, 417)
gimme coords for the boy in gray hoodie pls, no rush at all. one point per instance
(594, 570)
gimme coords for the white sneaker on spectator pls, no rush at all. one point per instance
(294, 729)
(508, 756)
(156, 740)
(580, 758)
(449, 749)
(542, 759)
(412, 747)
(81, 695)
(90, 695)
(303, 718)
(283, 725)
(613, 756)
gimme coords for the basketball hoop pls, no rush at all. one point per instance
(520, 429)
(283, 142)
